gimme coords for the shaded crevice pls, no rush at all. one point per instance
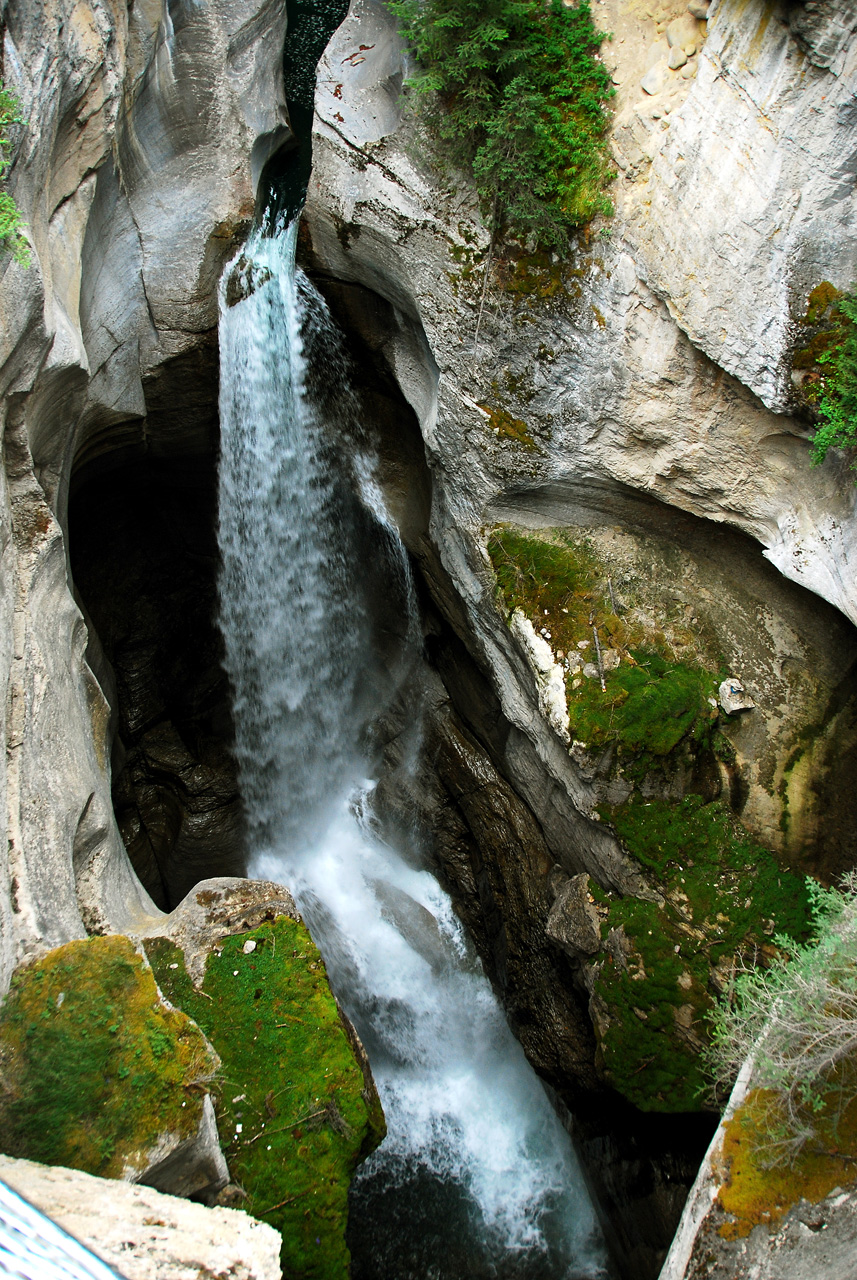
(144, 559)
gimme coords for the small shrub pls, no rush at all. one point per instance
(523, 99)
(11, 220)
(837, 397)
(798, 1020)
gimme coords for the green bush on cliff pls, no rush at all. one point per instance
(11, 220)
(523, 98)
(93, 1066)
(293, 1110)
(837, 391)
(798, 1020)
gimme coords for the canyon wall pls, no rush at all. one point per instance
(640, 393)
(146, 129)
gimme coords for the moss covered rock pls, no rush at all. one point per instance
(296, 1107)
(664, 767)
(724, 898)
(98, 1073)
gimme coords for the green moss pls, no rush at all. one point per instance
(724, 895)
(819, 303)
(95, 1067)
(509, 428)
(648, 707)
(290, 1080)
(652, 703)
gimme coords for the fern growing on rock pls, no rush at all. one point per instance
(518, 95)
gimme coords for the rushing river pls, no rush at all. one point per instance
(477, 1177)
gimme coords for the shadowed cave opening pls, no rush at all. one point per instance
(143, 547)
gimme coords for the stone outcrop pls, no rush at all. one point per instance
(296, 1103)
(146, 1235)
(94, 1004)
(797, 1228)
(146, 131)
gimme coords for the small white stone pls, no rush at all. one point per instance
(653, 81)
(249, 946)
(733, 696)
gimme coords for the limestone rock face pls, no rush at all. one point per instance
(216, 908)
(616, 383)
(573, 922)
(614, 373)
(146, 130)
(146, 1235)
(748, 191)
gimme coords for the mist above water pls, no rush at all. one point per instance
(476, 1177)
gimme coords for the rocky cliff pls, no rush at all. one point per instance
(638, 396)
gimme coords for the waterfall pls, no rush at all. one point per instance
(477, 1176)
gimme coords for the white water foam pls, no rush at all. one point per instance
(463, 1106)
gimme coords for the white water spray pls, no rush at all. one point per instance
(470, 1128)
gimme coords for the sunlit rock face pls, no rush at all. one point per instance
(147, 128)
(622, 411)
(662, 364)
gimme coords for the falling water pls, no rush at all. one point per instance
(477, 1176)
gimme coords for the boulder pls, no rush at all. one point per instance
(573, 923)
(144, 1234)
(653, 81)
(682, 31)
(101, 1074)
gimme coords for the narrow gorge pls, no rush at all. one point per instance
(430, 655)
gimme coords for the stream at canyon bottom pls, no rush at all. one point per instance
(477, 1177)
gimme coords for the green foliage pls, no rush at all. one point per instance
(11, 220)
(798, 1020)
(837, 395)
(724, 896)
(523, 99)
(294, 1113)
(94, 1066)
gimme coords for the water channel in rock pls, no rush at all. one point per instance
(477, 1176)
